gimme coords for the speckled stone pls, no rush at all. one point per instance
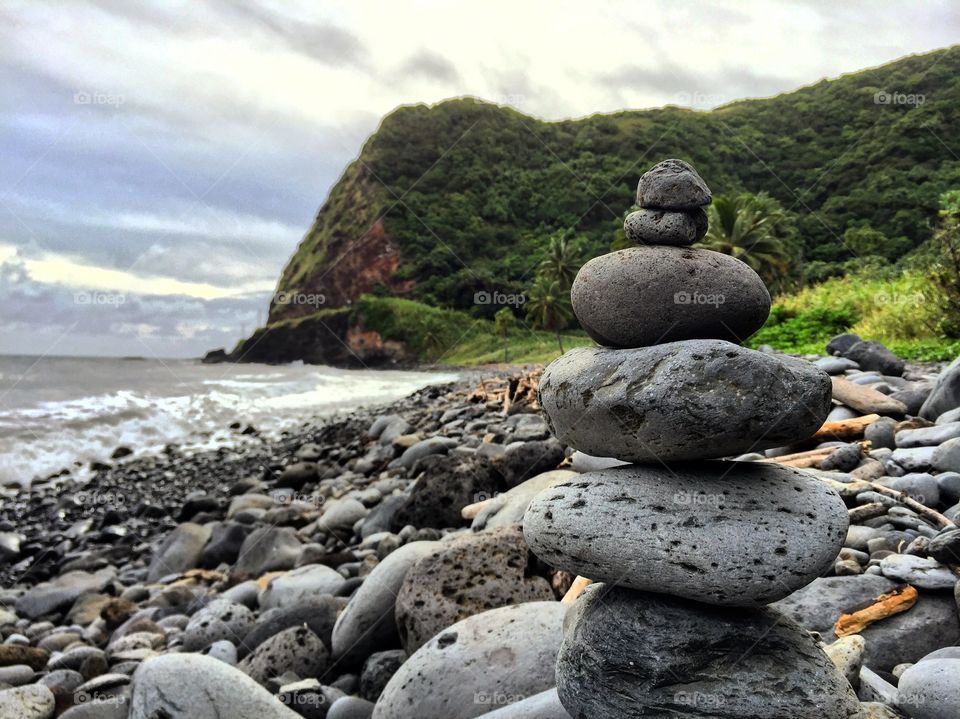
(647, 295)
(629, 654)
(732, 533)
(673, 185)
(697, 399)
(463, 577)
(665, 227)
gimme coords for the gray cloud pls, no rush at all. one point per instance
(325, 43)
(430, 65)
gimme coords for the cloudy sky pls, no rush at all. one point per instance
(162, 158)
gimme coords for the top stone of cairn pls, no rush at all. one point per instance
(673, 185)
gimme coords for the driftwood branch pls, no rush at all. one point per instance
(886, 605)
(576, 589)
(844, 429)
(934, 516)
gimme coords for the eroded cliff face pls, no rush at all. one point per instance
(336, 338)
(347, 252)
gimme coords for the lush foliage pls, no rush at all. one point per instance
(471, 193)
(756, 230)
(894, 307)
(451, 337)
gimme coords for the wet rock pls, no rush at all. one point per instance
(616, 524)
(463, 577)
(663, 227)
(297, 650)
(649, 295)
(638, 404)
(180, 551)
(672, 185)
(194, 686)
(508, 651)
(368, 621)
(267, 549)
(628, 654)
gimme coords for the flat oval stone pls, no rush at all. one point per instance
(698, 399)
(632, 654)
(648, 295)
(480, 663)
(666, 227)
(732, 533)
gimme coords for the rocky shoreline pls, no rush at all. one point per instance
(330, 573)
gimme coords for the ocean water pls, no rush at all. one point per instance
(64, 412)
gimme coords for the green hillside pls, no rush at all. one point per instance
(461, 197)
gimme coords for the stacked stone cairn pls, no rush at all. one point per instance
(685, 549)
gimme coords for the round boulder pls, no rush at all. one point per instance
(698, 399)
(733, 533)
(648, 295)
(464, 577)
(632, 654)
(508, 652)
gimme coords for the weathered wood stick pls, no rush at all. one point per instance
(886, 605)
(905, 499)
(865, 399)
(472, 510)
(866, 511)
(576, 589)
(845, 428)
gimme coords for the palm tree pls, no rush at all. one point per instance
(561, 262)
(548, 306)
(756, 230)
(503, 321)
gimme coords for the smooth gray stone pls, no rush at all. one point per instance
(648, 295)
(922, 572)
(945, 547)
(927, 436)
(734, 533)
(946, 393)
(33, 701)
(510, 652)
(697, 399)
(945, 653)
(915, 458)
(882, 433)
(629, 654)
(545, 705)
(180, 551)
(874, 356)
(299, 584)
(194, 686)
(841, 412)
(368, 622)
(423, 448)
(930, 624)
(919, 485)
(836, 365)
(60, 593)
(672, 185)
(841, 343)
(931, 689)
(509, 507)
(951, 415)
(350, 708)
(949, 485)
(665, 227)
(946, 457)
(267, 549)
